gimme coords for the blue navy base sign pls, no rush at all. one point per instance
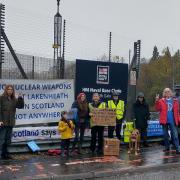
(101, 77)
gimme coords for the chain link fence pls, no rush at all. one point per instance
(35, 67)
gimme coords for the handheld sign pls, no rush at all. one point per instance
(103, 117)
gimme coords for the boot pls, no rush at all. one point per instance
(73, 150)
(145, 144)
(6, 156)
(79, 149)
(63, 154)
(5, 153)
(67, 153)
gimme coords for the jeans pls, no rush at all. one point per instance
(97, 131)
(79, 135)
(174, 137)
(118, 130)
(5, 139)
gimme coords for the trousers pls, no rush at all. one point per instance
(97, 133)
(5, 139)
(118, 130)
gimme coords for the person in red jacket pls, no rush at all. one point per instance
(169, 117)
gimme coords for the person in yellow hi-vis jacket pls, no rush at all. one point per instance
(96, 131)
(65, 128)
(119, 107)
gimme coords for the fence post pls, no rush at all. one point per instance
(33, 67)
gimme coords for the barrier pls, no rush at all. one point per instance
(154, 129)
(44, 99)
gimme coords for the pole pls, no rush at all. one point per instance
(14, 54)
(33, 67)
(173, 67)
(2, 25)
(173, 70)
(62, 65)
(58, 2)
(129, 58)
(110, 46)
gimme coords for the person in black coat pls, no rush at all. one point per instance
(8, 104)
(83, 121)
(141, 115)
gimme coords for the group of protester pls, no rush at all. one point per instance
(84, 112)
(85, 120)
(167, 106)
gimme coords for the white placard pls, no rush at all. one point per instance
(35, 133)
(39, 133)
(133, 78)
(44, 99)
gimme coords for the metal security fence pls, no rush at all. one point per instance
(35, 67)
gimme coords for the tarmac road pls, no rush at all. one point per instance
(152, 163)
(168, 173)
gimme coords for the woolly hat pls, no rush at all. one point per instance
(115, 93)
(80, 95)
(140, 94)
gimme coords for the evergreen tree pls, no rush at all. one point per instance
(155, 53)
(177, 54)
(167, 52)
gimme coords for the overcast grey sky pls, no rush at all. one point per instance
(29, 26)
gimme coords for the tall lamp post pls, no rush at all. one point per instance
(57, 41)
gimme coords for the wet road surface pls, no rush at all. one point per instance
(161, 173)
(151, 160)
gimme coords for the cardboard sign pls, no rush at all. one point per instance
(111, 147)
(104, 117)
